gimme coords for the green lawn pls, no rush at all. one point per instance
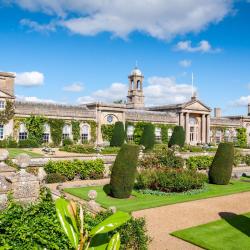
(13, 152)
(141, 201)
(227, 234)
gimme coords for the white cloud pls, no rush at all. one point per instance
(159, 18)
(203, 46)
(158, 91)
(74, 87)
(34, 99)
(35, 26)
(29, 79)
(241, 102)
(185, 63)
(116, 91)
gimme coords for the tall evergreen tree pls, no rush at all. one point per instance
(148, 136)
(118, 136)
(178, 137)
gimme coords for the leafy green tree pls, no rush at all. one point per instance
(118, 135)
(241, 137)
(148, 136)
(221, 169)
(178, 137)
(124, 171)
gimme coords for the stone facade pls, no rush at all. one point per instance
(193, 115)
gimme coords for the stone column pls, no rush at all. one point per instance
(181, 120)
(208, 128)
(187, 128)
(99, 130)
(203, 129)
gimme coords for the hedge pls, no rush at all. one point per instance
(118, 135)
(221, 169)
(124, 171)
(148, 137)
(91, 169)
(199, 162)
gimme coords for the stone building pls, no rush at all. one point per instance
(194, 116)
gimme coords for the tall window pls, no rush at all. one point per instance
(227, 136)
(1, 132)
(85, 133)
(66, 132)
(2, 104)
(22, 132)
(158, 135)
(130, 133)
(170, 132)
(235, 139)
(46, 133)
(218, 136)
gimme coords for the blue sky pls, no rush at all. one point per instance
(80, 51)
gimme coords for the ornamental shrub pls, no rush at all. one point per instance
(247, 160)
(78, 148)
(28, 143)
(67, 142)
(118, 135)
(241, 137)
(178, 137)
(32, 227)
(199, 162)
(221, 169)
(170, 180)
(55, 178)
(91, 169)
(148, 137)
(124, 171)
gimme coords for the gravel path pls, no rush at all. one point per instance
(163, 220)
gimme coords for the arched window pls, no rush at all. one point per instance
(170, 132)
(158, 135)
(138, 86)
(22, 132)
(66, 131)
(130, 133)
(85, 133)
(227, 136)
(1, 132)
(46, 133)
(218, 134)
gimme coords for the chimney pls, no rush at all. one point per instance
(248, 113)
(7, 83)
(217, 112)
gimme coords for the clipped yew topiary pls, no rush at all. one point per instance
(124, 171)
(221, 169)
(118, 135)
(148, 136)
(178, 137)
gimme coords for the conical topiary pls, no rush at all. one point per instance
(220, 171)
(118, 135)
(124, 171)
(148, 136)
(178, 137)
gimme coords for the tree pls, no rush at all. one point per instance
(124, 171)
(221, 169)
(148, 136)
(178, 137)
(118, 135)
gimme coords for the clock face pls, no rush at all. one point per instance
(109, 118)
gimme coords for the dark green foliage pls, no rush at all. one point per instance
(91, 169)
(118, 135)
(241, 137)
(133, 233)
(8, 143)
(161, 158)
(35, 127)
(124, 171)
(75, 130)
(28, 143)
(107, 131)
(67, 142)
(78, 148)
(8, 113)
(221, 169)
(32, 227)
(56, 128)
(55, 178)
(199, 162)
(170, 180)
(178, 137)
(148, 137)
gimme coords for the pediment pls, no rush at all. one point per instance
(5, 95)
(197, 105)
